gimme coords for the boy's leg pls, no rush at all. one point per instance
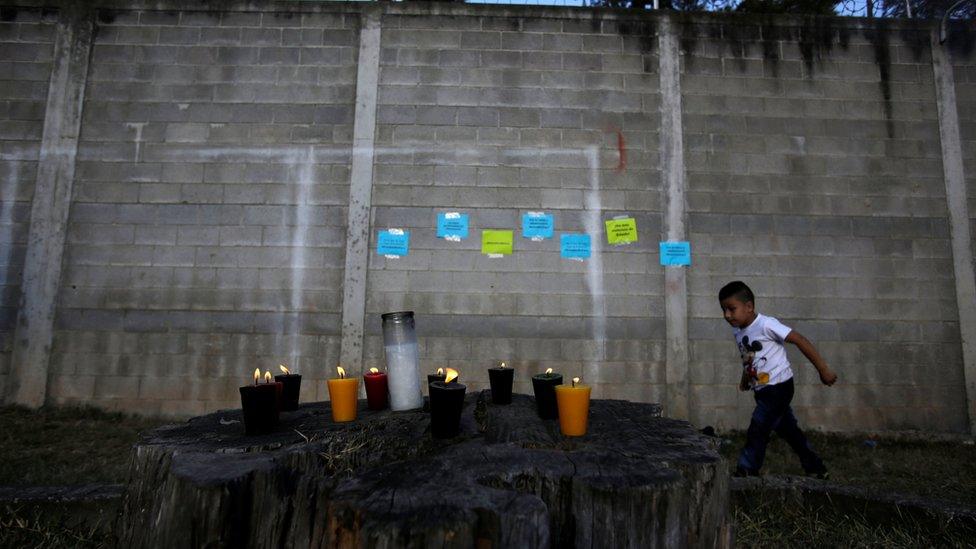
(789, 430)
(769, 407)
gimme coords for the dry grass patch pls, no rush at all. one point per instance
(933, 469)
(61, 446)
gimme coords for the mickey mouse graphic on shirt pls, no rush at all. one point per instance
(748, 350)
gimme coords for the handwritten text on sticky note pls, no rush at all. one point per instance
(452, 226)
(496, 242)
(538, 225)
(675, 253)
(393, 242)
(621, 231)
(575, 246)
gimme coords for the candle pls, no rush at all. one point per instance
(278, 388)
(574, 407)
(545, 395)
(500, 380)
(446, 403)
(344, 394)
(291, 386)
(439, 376)
(376, 389)
(259, 405)
(402, 358)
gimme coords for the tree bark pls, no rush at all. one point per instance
(509, 480)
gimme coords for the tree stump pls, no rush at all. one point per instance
(509, 480)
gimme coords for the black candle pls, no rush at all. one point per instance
(501, 379)
(439, 376)
(259, 403)
(291, 386)
(545, 394)
(446, 403)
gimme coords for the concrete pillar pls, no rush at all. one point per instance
(360, 192)
(959, 230)
(27, 384)
(675, 218)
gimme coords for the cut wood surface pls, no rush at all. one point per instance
(509, 480)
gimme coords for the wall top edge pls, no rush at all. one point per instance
(474, 10)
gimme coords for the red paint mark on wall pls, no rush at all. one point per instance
(621, 148)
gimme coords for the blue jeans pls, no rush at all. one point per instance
(773, 413)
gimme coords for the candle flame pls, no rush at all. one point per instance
(267, 376)
(342, 372)
(440, 371)
(503, 365)
(257, 375)
(284, 369)
(548, 371)
(451, 375)
(575, 381)
(374, 370)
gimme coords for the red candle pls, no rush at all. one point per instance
(279, 387)
(376, 389)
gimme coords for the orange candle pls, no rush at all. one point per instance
(574, 407)
(344, 394)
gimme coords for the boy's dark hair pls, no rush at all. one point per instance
(738, 290)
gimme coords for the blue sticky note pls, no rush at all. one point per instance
(574, 246)
(393, 242)
(452, 225)
(675, 253)
(538, 225)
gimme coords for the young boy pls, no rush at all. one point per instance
(766, 370)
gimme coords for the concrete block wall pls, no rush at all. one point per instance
(814, 172)
(216, 149)
(26, 48)
(207, 230)
(496, 116)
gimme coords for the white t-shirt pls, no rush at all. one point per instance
(763, 354)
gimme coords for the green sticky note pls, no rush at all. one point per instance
(621, 231)
(497, 242)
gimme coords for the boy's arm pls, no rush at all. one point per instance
(827, 376)
(744, 381)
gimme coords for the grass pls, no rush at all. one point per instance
(61, 446)
(778, 523)
(940, 470)
(26, 527)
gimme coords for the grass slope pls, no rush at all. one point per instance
(55, 446)
(940, 470)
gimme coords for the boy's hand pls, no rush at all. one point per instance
(828, 377)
